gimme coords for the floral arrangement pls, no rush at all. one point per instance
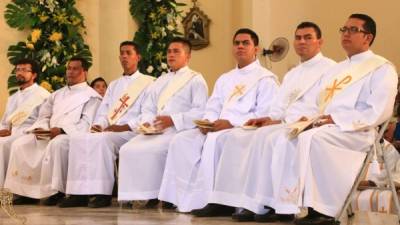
(157, 20)
(56, 29)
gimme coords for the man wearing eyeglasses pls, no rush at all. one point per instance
(339, 117)
(237, 146)
(356, 96)
(343, 110)
(22, 109)
(69, 110)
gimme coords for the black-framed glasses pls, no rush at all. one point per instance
(352, 30)
(24, 70)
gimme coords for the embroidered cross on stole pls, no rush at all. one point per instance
(123, 104)
(128, 98)
(238, 90)
(337, 84)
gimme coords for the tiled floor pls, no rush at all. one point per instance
(41, 215)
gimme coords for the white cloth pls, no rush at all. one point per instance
(356, 112)
(72, 109)
(16, 100)
(114, 91)
(5, 148)
(184, 106)
(242, 150)
(92, 155)
(13, 102)
(189, 173)
(334, 152)
(144, 156)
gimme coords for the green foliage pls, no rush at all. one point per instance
(157, 20)
(56, 35)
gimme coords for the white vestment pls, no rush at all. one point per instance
(189, 172)
(238, 147)
(30, 170)
(142, 159)
(14, 102)
(330, 157)
(275, 181)
(92, 155)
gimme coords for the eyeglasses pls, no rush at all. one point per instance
(24, 70)
(352, 30)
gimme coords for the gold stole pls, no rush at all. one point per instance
(174, 85)
(128, 97)
(25, 109)
(337, 85)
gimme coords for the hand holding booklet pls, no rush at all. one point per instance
(41, 134)
(150, 130)
(204, 124)
(249, 127)
(297, 127)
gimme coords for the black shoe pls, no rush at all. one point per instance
(100, 201)
(316, 218)
(167, 205)
(152, 203)
(54, 199)
(243, 216)
(74, 201)
(271, 216)
(126, 205)
(22, 200)
(213, 210)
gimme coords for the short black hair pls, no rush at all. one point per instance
(84, 62)
(252, 34)
(131, 43)
(181, 40)
(34, 65)
(98, 79)
(369, 24)
(307, 24)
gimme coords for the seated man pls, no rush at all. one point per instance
(237, 145)
(240, 94)
(67, 111)
(285, 172)
(176, 99)
(92, 155)
(21, 111)
(330, 155)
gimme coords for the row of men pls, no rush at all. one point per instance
(67, 142)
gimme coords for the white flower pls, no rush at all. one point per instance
(163, 33)
(54, 61)
(45, 57)
(170, 19)
(170, 27)
(158, 0)
(164, 66)
(51, 4)
(150, 69)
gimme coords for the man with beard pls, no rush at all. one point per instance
(22, 109)
(69, 110)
